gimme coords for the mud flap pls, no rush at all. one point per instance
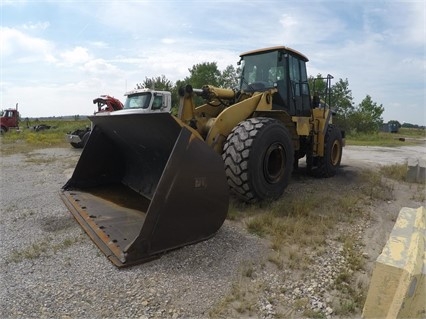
(144, 184)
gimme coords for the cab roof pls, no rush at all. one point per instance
(276, 48)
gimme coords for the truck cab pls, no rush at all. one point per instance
(9, 119)
(146, 101)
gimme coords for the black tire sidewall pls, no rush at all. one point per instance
(271, 133)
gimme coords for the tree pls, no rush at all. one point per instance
(367, 117)
(203, 73)
(317, 85)
(342, 100)
(229, 77)
(160, 83)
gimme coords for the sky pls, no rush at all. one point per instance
(57, 56)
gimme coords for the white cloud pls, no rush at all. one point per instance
(78, 55)
(100, 67)
(17, 45)
(36, 26)
(411, 26)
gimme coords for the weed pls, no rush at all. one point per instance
(301, 303)
(277, 260)
(397, 172)
(260, 224)
(353, 257)
(241, 299)
(248, 271)
(375, 187)
(298, 259)
(39, 249)
(419, 193)
(349, 206)
(345, 308)
(34, 251)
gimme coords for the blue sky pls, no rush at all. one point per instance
(57, 56)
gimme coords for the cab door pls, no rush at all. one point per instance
(299, 86)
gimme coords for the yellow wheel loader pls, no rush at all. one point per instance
(149, 183)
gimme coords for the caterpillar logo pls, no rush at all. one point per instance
(200, 182)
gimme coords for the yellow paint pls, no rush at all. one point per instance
(401, 223)
(303, 125)
(398, 245)
(398, 285)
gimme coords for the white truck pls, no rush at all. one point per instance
(139, 100)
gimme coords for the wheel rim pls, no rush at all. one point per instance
(335, 153)
(274, 163)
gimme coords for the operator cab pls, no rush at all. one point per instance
(282, 68)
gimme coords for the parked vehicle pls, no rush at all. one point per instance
(137, 100)
(9, 119)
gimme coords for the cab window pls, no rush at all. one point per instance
(158, 102)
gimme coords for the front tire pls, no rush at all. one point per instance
(258, 156)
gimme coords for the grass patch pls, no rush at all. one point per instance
(397, 172)
(375, 187)
(277, 260)
(405, 136)
(354, 295)
(33, 251)
(242, 298)
(419, 193)
(40, 249)
(305, 220)
(27, 139)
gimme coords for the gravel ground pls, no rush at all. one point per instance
(51, 269)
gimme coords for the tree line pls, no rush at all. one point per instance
(366, 117)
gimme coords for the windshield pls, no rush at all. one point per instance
(260, 71)
(137, 101)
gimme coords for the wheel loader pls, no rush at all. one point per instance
(149, 183)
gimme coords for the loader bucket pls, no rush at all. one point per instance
(144, 184)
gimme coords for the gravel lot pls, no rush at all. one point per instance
(51, 269)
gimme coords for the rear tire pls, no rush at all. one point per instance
(328, 165)
(258, 156)
(83, 135)
(76, 145)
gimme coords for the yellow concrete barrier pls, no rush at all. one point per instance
(397, 288)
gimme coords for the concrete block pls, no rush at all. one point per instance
(398, 284)
(416, 172)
